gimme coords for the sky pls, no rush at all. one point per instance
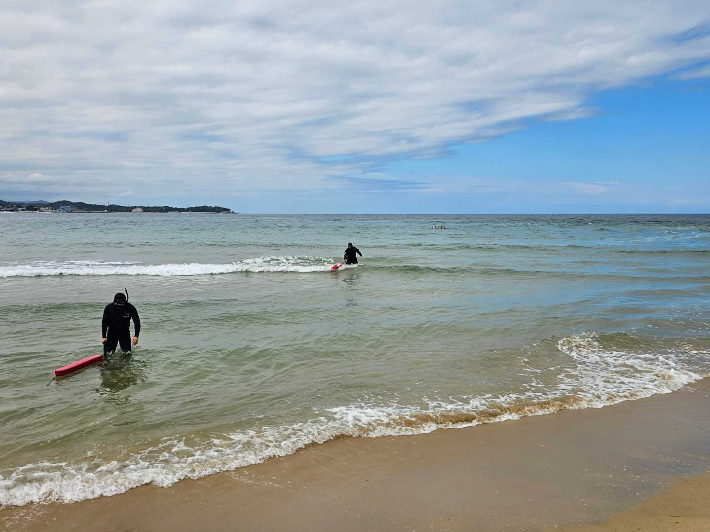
(364, 106)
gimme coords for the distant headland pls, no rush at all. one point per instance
(65, 206)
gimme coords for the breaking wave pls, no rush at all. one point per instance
(101, 268)
(592, 376)
(282, 265)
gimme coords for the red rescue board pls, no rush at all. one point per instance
(76, 366)
(336, 266)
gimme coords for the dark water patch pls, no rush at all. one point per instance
(651, 252)
(49, 308)
(528, 273)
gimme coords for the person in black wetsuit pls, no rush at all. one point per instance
(115, 324)
(351, 254)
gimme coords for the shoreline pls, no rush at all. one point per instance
(568, 469)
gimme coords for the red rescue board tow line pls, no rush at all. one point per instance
(76, 366)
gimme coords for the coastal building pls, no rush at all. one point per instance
(137, 209)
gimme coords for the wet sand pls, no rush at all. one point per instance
(682, 508)
(559, 471)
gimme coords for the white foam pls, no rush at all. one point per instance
(603, 377)
(103, 268)
(593, 377)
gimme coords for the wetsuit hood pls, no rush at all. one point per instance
(120, 298)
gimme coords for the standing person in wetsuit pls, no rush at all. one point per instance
(115, 325)
(351, 254)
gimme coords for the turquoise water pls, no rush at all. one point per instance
(251, 347)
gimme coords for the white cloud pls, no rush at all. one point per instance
(35, 177)
(516, 189)
(697, 73)
(680, 202)
(587, 188)
(266, 95)
(126, 193)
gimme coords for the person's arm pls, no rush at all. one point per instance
(136, 324)
(358, 252)
(104, 324)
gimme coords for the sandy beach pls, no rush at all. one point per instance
(562, 471)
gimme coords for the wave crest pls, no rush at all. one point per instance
(100, 268)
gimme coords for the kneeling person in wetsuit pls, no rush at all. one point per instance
(351, 254)
(115, 325)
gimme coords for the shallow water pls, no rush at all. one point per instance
(252, 348)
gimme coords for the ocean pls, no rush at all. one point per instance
(252, 348)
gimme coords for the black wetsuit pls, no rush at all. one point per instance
(351, 255)
(115, 326)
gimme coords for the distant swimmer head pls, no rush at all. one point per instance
(120, 298)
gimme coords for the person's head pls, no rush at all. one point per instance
(350, 244)
(120, 299)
